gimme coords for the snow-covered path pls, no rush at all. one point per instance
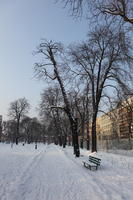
(51, 173)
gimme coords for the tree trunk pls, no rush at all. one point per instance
(88, 137)
(64, 141)
(81, 143)
(69, 140)
(16, 140)
(94, 138)
(68, 107)
(75, 138)
(17, 132)
(82, 135)
(60, 140)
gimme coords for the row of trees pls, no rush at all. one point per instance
(21, 127)
(102, 61)
(52, 111)
(87, 74)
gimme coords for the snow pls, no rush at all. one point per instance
(53, 173)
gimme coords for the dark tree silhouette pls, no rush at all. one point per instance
(101, 59)
(17, 110)
(52, 52)
(115, 8)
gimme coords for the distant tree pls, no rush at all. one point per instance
(36, 130)
(52, 97)
(9, 130)
(17, 110)
(25, 129)
(32, 130)
(1, 131)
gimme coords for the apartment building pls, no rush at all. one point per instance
(108, 125)
(125, 113)
(117, 125)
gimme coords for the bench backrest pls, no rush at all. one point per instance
(95, 160)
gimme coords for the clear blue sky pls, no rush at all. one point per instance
(22, 24)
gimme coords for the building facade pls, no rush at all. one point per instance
(115, 128)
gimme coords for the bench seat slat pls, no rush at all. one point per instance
(94, 158)
(94, 161)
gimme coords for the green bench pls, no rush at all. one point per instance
(92, 163)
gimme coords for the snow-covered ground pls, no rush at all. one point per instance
(53, 173)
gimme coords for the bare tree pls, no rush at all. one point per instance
(36, 130)
(25, 129)
(9, 131)
(52, 52)
(115, 8)
(81, 104)
(101, 59)
(17, 110)
(52, 97)
(120, 8)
